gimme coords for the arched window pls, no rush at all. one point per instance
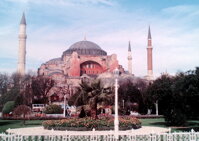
(91, 68)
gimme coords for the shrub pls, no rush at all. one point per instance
(22, 110)
(53, 109)
(175, 118)
(8, 107)
(88, 123)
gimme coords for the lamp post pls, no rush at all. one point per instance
(64, 114)
(123, 103)
(116, 120)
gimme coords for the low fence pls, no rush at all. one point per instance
(54, 115)
(103, 136)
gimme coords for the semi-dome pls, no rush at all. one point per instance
(85, 48)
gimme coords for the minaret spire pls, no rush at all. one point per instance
(129, 59)
(149, 56)
(22, 46)
(129, 47)
(149, 33)
(23, 19)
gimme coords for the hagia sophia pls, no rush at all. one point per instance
(82, 59)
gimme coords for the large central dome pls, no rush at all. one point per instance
(85, 48)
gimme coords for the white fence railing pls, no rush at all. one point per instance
(103, 136)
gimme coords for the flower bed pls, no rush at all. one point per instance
(88, 123)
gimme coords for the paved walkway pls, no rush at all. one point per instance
(42, 131)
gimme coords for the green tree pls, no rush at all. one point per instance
(41, 86)
(170, 104)
(4, 85)
(160, 91)
(8, 107)
(186, 91)
(22, 110)
(177, 96)
(130, 93)
(4, 82)
(93, 94)
(12, 87)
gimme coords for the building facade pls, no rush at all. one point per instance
(83, 59)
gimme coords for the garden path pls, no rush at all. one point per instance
(42, 131)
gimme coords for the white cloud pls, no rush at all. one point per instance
(180, 9)
(65, 2)
(175, 41)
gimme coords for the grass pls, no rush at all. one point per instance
(6, 124)
(158, 122)
(191, 124)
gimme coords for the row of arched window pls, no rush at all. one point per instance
(90, 72)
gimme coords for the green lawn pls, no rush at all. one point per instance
(5, 124)
(191, 124)
(158, 122)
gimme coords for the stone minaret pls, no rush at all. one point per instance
(22, 46)
(129, 59)
(149, 57)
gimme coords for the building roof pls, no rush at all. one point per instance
(52, 73)
(23, 19)
(85, 48)
(54, 61)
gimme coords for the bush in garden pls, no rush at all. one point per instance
(8, 107)
(88, 123)
(22, 110)
(53, 109)
(175, 117)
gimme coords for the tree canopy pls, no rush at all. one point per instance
(178, 96)
(41, 86)
(92, 94)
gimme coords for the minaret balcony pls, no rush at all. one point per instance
(22, 36)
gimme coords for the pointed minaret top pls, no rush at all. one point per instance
(149, 33)
(23, 19)
(129, 47)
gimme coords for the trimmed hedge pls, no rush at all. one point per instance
(88, 123)
(53, 109)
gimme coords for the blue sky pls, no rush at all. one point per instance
(54, 25)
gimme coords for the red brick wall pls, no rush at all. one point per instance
(149, 59)
(75, 65)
